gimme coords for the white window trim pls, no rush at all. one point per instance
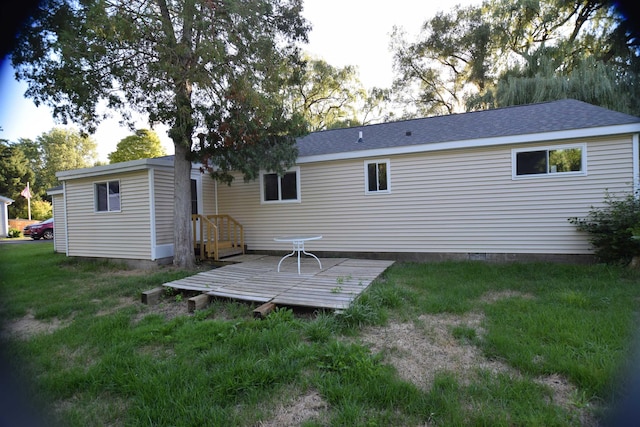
(295, 169)
(366, 176)
(514, 165)
(95, 196)
(197, 176)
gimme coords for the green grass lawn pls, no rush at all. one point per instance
(96, 356)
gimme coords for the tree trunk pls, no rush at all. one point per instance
(184, 256)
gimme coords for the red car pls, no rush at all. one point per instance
(42, 230)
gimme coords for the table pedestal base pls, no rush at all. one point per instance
(298, 246)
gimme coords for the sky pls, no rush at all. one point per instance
(344, 32)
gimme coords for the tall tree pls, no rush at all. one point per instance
(15, 173)
(62, 149)
(144, 144)
(327, 95)
(213, 68)
(449, 59)
(506, 52)
(333, 97)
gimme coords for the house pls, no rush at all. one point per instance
(497, 185)
(4, 215)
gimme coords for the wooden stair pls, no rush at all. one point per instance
(226, 248)
(220, 236)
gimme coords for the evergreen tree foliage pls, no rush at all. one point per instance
(15, 173)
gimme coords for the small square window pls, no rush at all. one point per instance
(377, 176)
(284, 188)
(107, 196)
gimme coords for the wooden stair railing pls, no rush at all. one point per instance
(218, 234)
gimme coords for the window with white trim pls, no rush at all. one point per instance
(377, 176)
(194, 197)
(280, 189)
(549, 161)
(107, 196)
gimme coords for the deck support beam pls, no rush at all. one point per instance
(264, 310)
(152, 296)
(198, 302)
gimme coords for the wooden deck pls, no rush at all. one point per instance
(255, 278)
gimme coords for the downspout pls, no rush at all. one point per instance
(152, 214)
(66, 213)
(636, 165)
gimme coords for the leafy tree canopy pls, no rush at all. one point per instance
(506, 52)
(209, 68)
(332, 97)
(62, 149)
(144, 144)
(15, 173)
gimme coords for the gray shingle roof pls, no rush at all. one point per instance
(554, 116)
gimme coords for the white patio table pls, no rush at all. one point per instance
(298, 246)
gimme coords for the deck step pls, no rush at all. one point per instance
(227, 252)
(226, 248)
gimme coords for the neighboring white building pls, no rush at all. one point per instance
(4, 215)
(497, 184)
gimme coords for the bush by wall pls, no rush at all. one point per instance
(14, 232)
(611, 229)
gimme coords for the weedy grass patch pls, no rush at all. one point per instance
(111, 360)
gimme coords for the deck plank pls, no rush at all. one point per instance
(255, 278)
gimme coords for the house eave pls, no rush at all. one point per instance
(476, 143)
(130, 166)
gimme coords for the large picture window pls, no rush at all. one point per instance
(377, 176)
(284, 188)
(550, 161)
(107, 196)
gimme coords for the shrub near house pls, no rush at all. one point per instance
(612, 228)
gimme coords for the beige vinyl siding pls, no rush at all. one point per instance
(208, 195)
(163, 197)
(125, 234)
(59, 231)
(455, 201)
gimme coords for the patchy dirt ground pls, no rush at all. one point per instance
(28, 326)
(418, 350)
(306, 407)
(421, 349)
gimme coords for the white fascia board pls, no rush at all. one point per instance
(476, 143)
(132, 165)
